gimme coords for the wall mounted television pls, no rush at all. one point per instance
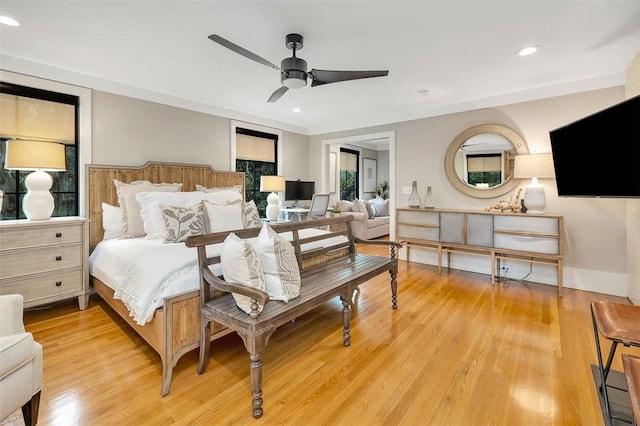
(295, 190)
(599, 155)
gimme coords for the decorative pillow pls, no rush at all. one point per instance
(112, 221)
(153, 223)
(237, 188)
(279, 264)
(133, 225)
(251, 215)
(359, 206)
(182, 222)
(344, 206)
(381, 206)
(369, 209)
(241, 265)
(223, 218)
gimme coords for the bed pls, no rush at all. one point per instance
(158, 293)
(174, 329)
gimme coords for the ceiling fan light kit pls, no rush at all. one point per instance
(293, 70)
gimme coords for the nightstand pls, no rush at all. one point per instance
(45, 260)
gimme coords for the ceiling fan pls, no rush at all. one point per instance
(293, 70)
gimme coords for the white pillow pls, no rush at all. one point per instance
(133, 225)
(381, 206)
(153, 223)
(112, 221)
(223, 217)
(182, 222)
(279, 264)
(237, 188)
(359, 206)
(241, 265)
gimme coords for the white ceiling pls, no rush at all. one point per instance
(462, 52)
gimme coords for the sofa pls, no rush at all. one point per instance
(371, 217)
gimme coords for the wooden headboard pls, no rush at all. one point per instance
(102, 189)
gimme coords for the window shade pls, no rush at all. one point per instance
(484, 164)
(254, 148)
(36, 119)
(348, 162)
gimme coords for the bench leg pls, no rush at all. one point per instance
(256, 381)
(346, 321)
(394, 288)
(205, 342)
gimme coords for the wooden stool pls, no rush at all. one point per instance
(619, 323)
(631, 366)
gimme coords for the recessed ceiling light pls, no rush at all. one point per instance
(525, 51)
(9, 21)
(296, 110)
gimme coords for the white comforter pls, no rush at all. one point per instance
(144, 272)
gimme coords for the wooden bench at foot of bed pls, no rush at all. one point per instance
(338, 274)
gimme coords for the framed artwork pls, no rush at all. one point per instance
(369, 176)
(332, 172)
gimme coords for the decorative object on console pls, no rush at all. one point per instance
(534, 166)
(272, 184)
(41, 157)
(428, 199)
(414, 198)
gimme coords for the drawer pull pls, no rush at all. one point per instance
(58, 257)
(58, 234)
(58, 283)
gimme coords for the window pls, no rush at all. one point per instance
(349, 174)
(256, 154)
(484, 170)
(21, 108)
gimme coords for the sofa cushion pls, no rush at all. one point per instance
(15, 350)
(344, 205)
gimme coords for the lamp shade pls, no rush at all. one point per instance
(272, 183)
(533, 165)
(35, 155)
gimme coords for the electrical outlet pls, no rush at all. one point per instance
(406, 190)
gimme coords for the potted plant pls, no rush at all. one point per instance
(382, 190)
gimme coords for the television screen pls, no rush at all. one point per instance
(298, 190)
(599, 155)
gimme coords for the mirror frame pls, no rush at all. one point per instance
(511, 135)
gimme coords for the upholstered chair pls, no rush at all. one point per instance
(20, 362)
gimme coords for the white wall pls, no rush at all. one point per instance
(595, 229)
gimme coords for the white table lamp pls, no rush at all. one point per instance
(41, 157)
(273, 184)
(534, 166)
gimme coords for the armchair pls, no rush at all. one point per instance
(20, 363)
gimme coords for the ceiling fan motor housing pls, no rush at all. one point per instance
(294, 72)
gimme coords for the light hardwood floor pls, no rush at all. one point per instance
(457, 351)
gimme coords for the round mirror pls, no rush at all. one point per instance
(479, 161)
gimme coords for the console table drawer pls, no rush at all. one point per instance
(536, 225)
(531, 244)
(417, 232)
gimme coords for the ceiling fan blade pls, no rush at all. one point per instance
(278, 94)
(242, 51)
(321, 77)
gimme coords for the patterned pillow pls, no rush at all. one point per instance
(251, 215)
(279, 264)
(182, 222)
(241, 265)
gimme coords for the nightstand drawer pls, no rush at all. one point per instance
(45, 286)
(27, 262)
(22, 237)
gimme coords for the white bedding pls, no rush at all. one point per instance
(143, 272)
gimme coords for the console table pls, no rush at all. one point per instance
(533, 238)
